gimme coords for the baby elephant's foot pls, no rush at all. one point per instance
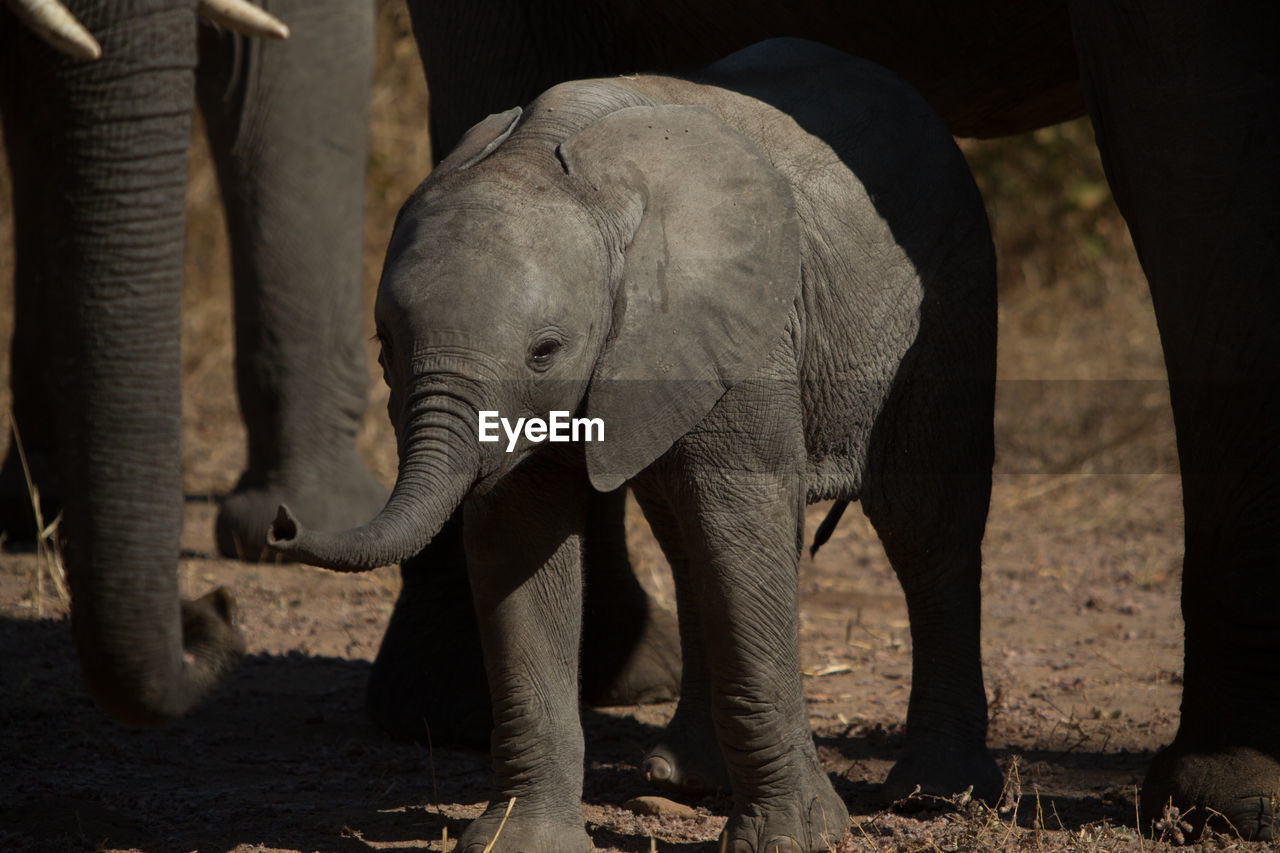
(531, 832)
(809, 818)
(1236, 789)
(687, 759)
(340, 494)
(936, 768)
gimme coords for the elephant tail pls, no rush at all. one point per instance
(828, 526)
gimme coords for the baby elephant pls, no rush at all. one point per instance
(768, 284)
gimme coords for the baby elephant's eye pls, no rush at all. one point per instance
(544, 351)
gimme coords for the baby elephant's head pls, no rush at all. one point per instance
(587, 271)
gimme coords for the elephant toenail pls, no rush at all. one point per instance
(657, 769)
(782, 844)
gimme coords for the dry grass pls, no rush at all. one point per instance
(48, 561)
(1020, 822)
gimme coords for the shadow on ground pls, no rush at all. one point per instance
(283, 744)
(284, 756)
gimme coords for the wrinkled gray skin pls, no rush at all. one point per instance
(1181, 95)
(774, 286)
(98, 157)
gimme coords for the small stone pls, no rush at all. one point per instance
(659, 807)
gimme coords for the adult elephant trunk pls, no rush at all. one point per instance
(438, 466)
(99, 231)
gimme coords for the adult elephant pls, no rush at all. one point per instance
(1182, 98)
(98, 157)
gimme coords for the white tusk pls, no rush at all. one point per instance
(57, 27)
(243, 17)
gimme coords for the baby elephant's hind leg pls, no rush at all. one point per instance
(630, 643)
(927, 495)
(686, 758)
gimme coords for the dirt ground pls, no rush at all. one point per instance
(1082, 632)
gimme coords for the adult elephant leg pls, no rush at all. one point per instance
(99, 152)
(288, 125)
(1183, 98)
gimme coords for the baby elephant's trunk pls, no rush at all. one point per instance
(431, 484)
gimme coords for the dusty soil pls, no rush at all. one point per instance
(1082, 633)
(1082, 652)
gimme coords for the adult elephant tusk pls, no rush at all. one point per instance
(243, 17)
(57, 27)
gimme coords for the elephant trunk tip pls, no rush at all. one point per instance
(283, 532)
(417, 508)
(347, 551)
(148, 685)
(287, 535)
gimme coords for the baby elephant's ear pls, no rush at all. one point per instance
(709, 280)
(480, 141)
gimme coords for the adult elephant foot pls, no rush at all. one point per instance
(336, 495)
(525, 828)
(428, 681)
(687, 760)
(934, 768)
(808, 816)
(1233, 789)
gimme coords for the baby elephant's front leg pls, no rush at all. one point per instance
(524, 554)
(741, 537)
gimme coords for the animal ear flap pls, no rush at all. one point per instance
(709, 280)
(480, 141)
